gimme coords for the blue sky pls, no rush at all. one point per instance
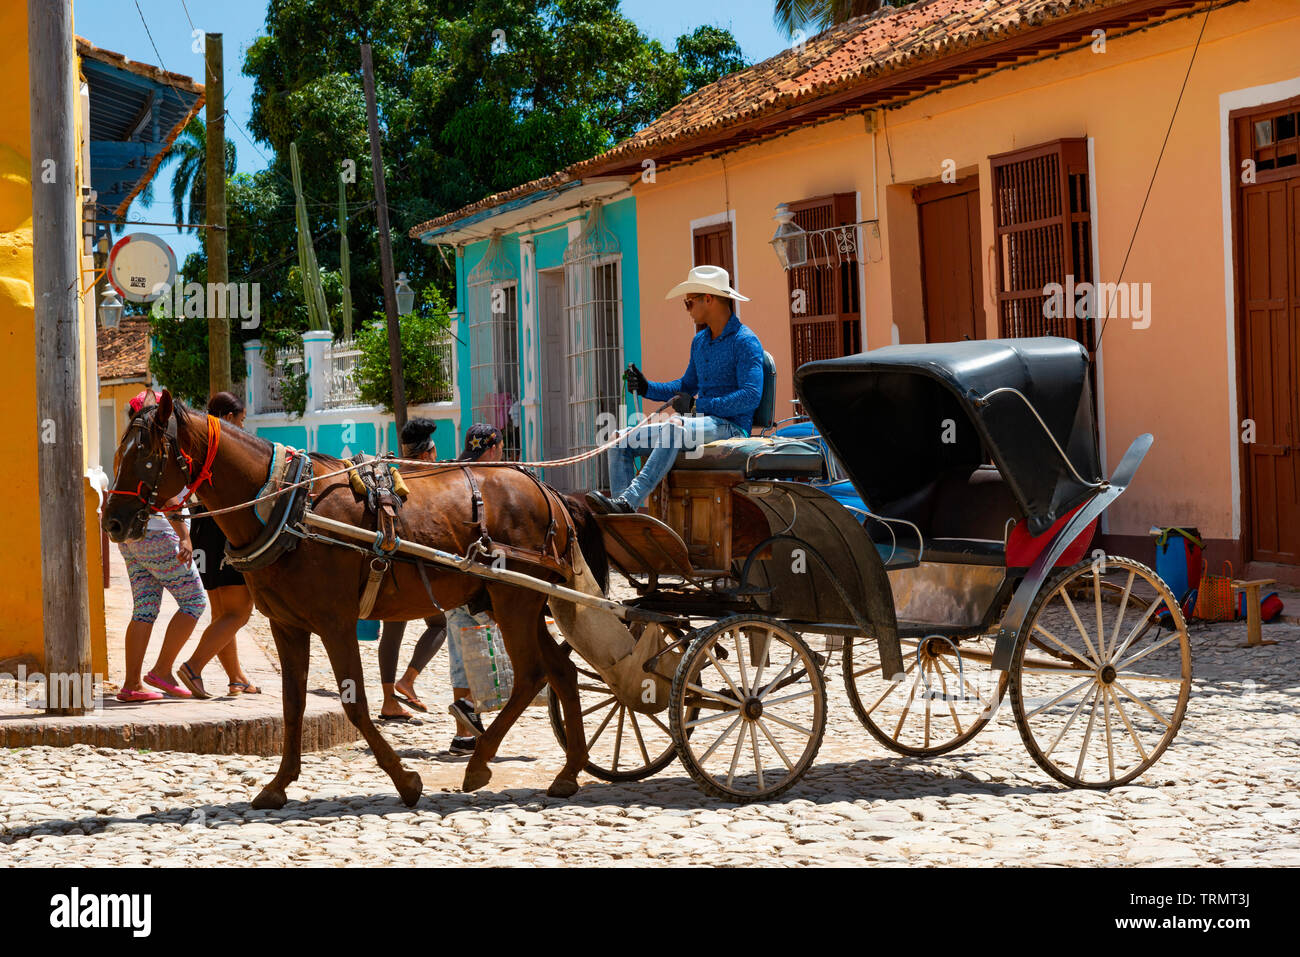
(120, 25)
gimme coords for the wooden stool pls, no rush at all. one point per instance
(1254, 637)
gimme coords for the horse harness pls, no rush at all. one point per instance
(381, 487)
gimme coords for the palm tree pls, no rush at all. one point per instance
(817, 15)
(189, 184)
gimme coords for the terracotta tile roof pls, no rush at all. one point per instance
(124, 352)
(864, 50)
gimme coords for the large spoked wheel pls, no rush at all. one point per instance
(754, 696)
(941, 701)
(1103, 706)
(621, 744)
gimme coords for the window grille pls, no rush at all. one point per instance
(1043, 233)
(824, 300)
(494, 345)
(594, 311)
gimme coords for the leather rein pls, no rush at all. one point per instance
(149, 471)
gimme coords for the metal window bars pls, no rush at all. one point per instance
(494, 344)
(594, 313)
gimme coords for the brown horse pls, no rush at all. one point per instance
(316, 588)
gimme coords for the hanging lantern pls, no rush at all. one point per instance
(405, 295)
(110, 309)
(790, 241)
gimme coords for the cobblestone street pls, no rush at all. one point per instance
(1224, 794)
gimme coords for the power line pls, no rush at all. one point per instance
(1133, 239)
(187, 15)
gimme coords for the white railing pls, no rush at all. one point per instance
(287, 362)
(334, 367)
(343, 390)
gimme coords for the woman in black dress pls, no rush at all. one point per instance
(228, 595)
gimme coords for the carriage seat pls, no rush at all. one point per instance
(962, 516)
(757, 457)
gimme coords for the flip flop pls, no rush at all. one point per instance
(400, 719)
(132, 696)
(243, 688)
(413, 702)
(166, 687)
(193, 682)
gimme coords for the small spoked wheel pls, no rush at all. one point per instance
(943, 698)
(748, 708)
(1101, 673)
(622, 745)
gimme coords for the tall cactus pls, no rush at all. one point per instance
(313, 291)
(345, 261)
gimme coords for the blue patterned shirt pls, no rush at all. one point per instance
(725, 375)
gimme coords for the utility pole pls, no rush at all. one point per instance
(385, 241)
(215, 203)
(56, 240)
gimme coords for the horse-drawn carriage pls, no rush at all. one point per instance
(978, 492)
(981, 489)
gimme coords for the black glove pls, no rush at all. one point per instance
(683, 402)
(635, 380)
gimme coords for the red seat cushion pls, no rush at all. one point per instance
(1023, 549)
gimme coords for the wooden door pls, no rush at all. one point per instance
(951, 278)
(713, 248)
(1268, 297)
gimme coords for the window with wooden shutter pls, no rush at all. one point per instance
(824, 299)
(1043, 231)
(713, 248)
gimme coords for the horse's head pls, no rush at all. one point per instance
(149, 467)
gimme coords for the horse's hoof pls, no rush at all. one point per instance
(269, 800)
(475, 778)
(410, 789)
(562, 788)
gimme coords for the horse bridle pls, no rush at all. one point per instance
(149, 471)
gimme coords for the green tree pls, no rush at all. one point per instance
(814, 16)
(189, 183)
(474, 96)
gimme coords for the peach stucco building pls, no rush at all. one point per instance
(979, 151)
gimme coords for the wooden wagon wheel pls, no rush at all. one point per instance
(622, 745)
(936, 705)
(1106, 707)
(753, 694)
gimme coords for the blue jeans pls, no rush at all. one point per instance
(662, 440)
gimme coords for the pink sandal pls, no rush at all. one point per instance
(132, 696)
(166, 687)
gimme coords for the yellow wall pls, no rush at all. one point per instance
(1172, 379)
(21, 618)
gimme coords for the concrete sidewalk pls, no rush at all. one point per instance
(242, 724)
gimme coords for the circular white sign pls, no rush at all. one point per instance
(141, 267)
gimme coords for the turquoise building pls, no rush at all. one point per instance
(548, 316)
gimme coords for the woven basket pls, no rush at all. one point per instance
(487, 667)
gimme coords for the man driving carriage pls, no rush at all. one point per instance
(715, 398)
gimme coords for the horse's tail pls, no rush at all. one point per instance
(590, 538)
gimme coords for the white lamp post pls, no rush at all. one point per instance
(790, 241)
(405, 295)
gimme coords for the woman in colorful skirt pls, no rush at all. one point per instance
(160, 560)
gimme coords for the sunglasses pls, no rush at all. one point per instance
(690, 301)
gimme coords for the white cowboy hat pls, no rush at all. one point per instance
(711, 280)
